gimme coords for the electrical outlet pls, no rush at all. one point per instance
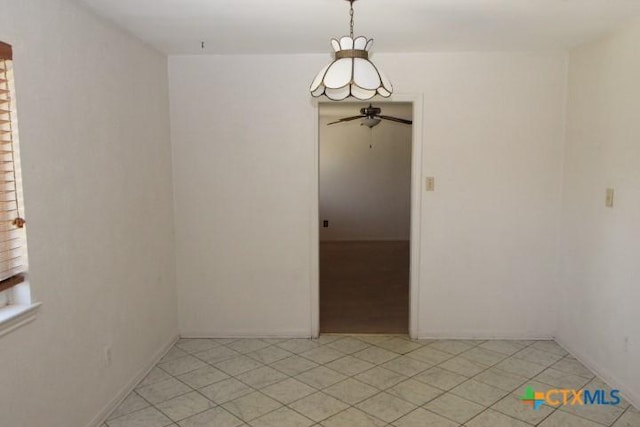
(325, 223)
(430, 184)
(107, 356)
(609, 199)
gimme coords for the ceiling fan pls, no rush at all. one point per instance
(371, 117)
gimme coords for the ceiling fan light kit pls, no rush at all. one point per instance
(370, 122)
(370, 117)
(351, 73)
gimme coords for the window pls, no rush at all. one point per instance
(14, 291)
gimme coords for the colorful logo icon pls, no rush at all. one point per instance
(533, 398)
(557, 397)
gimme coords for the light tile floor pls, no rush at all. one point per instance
(354, 381)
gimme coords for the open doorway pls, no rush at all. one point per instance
(365, 219)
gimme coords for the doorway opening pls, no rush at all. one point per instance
(365, 213)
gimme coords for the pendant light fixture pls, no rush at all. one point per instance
(351, 73)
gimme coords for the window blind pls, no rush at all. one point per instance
(13, 254)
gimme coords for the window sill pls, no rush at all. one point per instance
(13, 317)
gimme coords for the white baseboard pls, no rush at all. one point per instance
(603, 373)
(246, 334)
(307, 334)
(482, 336)
(99, 419)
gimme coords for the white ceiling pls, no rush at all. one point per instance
(305, 26)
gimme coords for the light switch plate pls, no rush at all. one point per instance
(609, 199)
(430, 183)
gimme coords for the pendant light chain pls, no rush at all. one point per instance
(351, 15)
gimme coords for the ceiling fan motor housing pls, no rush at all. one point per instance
(370, 111)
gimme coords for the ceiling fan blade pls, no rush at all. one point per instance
(396, 119)
(346, 119)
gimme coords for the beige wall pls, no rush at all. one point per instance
(244, 150)
(94, 127)
(599, 315)
(365, 175)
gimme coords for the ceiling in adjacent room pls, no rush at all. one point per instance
(345, 109)
(305, 26)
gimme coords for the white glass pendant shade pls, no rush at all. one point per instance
(351, 73)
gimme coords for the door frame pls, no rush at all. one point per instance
(416, 208)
